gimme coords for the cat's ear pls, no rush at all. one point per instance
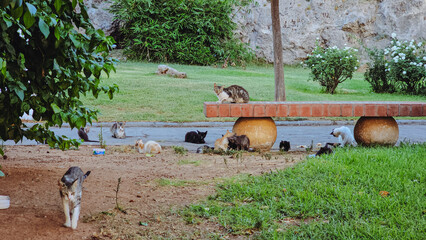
(214, 85)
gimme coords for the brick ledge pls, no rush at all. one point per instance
(315, 109)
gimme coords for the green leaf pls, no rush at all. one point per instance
(28, 19)
(44, 28)
(20, 93)
(31, 9)
(4, 3)
(55, 108)
(17, 12)
(58, 4)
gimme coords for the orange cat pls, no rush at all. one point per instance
(222, 143)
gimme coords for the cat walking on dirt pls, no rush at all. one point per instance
(231, 94)
(70, 189)
(117, 130)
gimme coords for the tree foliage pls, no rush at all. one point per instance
(190, 32)
(50, 54)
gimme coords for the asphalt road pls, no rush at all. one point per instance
(173, 134)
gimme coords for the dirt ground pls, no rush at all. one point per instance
(152, 191)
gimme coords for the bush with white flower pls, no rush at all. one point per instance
(331, 66)
(399, 67)
(406, 65)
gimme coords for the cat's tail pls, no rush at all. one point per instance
(86, 175)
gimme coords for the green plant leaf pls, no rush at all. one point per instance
(28, 19)
(44, 28)
(55, 108)
(31, 9)
(58, 5)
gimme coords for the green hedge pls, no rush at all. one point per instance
(188, 32)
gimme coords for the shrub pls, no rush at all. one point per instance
(190, 32)
(376, 72)
(332, 66)
(406, 65)
(399, 67)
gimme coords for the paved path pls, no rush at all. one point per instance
(173, 134)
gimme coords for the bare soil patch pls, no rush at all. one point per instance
(152, 191)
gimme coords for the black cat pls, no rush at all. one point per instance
(82, 133)
(241, 142)
(195, 137)
(327, 149)
(284, 146)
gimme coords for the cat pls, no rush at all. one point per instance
(232, 94)
(284, 146)
(325, 150)
(82, 133)
(164, 69)
(222, 143)
(205, 149)
(117, 130)
(70, 189)
(239, 142)
(195, 137)
(345, 136)
(148, 147)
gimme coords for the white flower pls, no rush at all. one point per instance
(393, 35)
(386, 64)
(424, 58)
(419, 45)
(21, 34)
(356, 68)
(404, 72)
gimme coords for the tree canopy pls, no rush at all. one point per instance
(50, 55)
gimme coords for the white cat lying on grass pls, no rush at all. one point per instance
(345, 136)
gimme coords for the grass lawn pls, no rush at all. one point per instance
(358, 193)
(145, 96)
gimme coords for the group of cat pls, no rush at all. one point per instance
(117, 130)
(227, 141)
(70, 185)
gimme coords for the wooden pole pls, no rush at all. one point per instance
(278, 51)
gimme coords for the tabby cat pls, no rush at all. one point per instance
(117, 130)
(70, 189)
(231, 94)
(239, 142)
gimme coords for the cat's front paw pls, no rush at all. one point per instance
(67, 224)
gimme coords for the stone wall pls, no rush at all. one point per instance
(333, 22)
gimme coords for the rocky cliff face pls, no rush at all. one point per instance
(332, 22)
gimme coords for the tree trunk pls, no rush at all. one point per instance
(278, 52)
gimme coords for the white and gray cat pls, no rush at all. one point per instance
(117, 130)
(70, 189)
(231, 94)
